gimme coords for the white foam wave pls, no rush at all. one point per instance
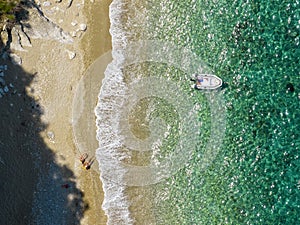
(117, 97)
(115, 204)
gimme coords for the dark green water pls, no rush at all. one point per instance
(254, 47)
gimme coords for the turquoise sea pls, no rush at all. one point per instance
(252, 166)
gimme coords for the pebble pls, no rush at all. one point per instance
(3, 67)
(51, 136)
(83, 27)
(46, 3)
(73, 33)
(6, 89)
(2, 81)
(74, 23)
(71, 54)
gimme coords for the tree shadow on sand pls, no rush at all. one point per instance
(34, 188)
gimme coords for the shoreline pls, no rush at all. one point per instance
(95, 42)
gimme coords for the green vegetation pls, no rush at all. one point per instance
(8, 11)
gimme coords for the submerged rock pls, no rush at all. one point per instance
(290, 87)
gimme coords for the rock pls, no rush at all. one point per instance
(16, 40)
(51, 136)
(2, 81)
(5, 55)
(74, 23)
(46, 4)
(15, 59)
(42, 28)
(3, 67)
(71, 54)
(1, 73)
(4, 37)
(6, 89)
(83, 27)
(69, 3)
(73, 33)
(25, 41)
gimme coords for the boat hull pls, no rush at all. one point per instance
(207, 82)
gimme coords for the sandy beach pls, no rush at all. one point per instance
(42, 180)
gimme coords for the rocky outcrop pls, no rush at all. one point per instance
(42, 27)
(36, 26)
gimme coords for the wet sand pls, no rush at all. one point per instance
(42, 180)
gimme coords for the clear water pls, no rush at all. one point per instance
(252, 175)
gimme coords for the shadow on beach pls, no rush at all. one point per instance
(34, 188)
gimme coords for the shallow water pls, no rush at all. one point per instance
(241, 165)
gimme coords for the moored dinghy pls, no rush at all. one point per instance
(207, 81)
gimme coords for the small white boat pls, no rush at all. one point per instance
(207, 81)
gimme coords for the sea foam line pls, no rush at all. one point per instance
(115, 204)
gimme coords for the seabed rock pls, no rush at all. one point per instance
(290, 87)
